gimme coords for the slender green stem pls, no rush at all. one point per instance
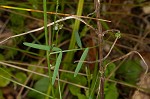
(45, 22)
(47, 52)
(57, 5)
(69, 55)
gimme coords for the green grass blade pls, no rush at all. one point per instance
(38, 46)
(78, 40)
(76, 26)
(81, 61)
(58, 61)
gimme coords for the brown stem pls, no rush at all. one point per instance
(100, 41)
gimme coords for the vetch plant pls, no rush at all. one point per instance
(66, 40)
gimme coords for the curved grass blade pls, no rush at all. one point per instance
(81, 61)
(58, 61)
(78, 40)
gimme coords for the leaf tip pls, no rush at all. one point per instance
(24, 43)
(75, 75)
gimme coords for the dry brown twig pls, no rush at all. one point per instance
(43, 75)
(50, 24)
(126, 55)
(97, 4)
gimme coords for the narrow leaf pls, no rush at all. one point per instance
(38, 46)
(58, 61)
(42, 47)
(81, 61)
(56, 49)
(78, 40)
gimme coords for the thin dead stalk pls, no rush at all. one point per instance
(50, 24)
(40, 67)
(126, 55)
(54, 13)
(43, 75)
(100, 42)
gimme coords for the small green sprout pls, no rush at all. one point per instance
(118, 35)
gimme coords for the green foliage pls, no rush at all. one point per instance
(41, 85)
(17, 22)
(1, 57)
(35, 6)
(34, 3)
(21, 77)
(81, 96)
(130, 71)
(110, 87)
(37, 46)
(58, 61)
(35, 69)
(76, 26)
(6, 73)
(111, 91)
(105, 25)
(118, 35)
(77, 80)
(42, 47)
(74, 90)
(78, 40)
(81, 61)
(48, 48)
(109, 69)
(10, 54)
